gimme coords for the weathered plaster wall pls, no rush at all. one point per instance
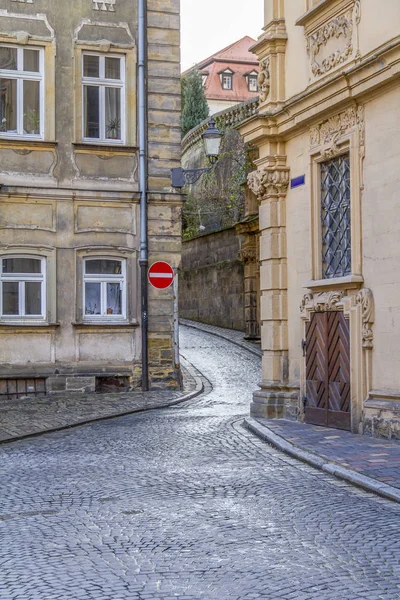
(211, 280)
(67, 197)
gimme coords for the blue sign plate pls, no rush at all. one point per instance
(297, 181)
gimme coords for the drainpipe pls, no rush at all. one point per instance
(144, 253)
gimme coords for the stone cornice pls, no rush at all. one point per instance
(377, 70)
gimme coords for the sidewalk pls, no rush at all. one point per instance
(26, 417)
(370, 463)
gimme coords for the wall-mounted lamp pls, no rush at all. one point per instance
(212, 142)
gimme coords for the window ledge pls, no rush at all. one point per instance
(27, 144)
(19, 325)
(103, 146)
(347, 282)
(106, 325)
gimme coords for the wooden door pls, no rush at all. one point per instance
(328, 370)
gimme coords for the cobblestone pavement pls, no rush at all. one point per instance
(184, 503)
(234, 336)
(28, 416)
(374, 457)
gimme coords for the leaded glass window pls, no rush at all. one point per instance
(335, 216)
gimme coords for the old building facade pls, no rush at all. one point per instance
(69, 196)
(327, 178)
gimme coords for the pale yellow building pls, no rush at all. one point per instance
(327, 182)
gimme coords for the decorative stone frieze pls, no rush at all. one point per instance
(325, 136)
(322, 302)
(339, 29)
(104, 5)
(264, 79)
(365, 299)
(264, 182)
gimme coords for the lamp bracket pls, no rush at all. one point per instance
(180, 177)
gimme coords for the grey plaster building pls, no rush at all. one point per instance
(69, 196)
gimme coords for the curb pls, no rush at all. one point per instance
(205, 329)
(199, 389)
(363, 481)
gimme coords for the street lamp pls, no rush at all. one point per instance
(212, 141)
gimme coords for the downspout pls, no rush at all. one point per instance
(144, 254)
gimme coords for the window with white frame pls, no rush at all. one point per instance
(23, 291)
(227, 80)
(252, 83)
(104, 288)
(21, 91)
(103, 97)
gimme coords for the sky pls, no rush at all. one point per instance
(210, 25)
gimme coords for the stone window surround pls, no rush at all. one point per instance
(342, 144)
(47, 46)
(105, 47)
(129, 256)
(49, 254)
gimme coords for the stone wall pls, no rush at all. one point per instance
(211, 280)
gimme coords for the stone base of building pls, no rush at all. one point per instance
(381, 415)
(275, 401)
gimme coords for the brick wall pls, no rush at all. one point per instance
(211, 280)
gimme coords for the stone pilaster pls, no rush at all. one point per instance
(249, 255)
(277, 398)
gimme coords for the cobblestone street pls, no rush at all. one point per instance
(184, 503)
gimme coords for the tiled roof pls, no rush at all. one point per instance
(239, 60)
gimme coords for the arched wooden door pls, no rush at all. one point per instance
(328, 370)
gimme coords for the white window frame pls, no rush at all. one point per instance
(20, 75)
(252, 78)
(23, 278)
(101, 82)
(225, 77)
(103, 280)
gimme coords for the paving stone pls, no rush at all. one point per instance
(184, 503)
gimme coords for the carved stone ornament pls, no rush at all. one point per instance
(365, 299)
(327, 134)
(264, 79)
(104, 5)
(340, 29)
(248, 254)
(268, 182)
(322, 302)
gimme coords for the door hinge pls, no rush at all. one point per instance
(304, 345)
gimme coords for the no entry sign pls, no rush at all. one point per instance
(160, 275)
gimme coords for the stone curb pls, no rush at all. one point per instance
(188, 396)
(363, 481)
(207, 329)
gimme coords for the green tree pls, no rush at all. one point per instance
(194, 103)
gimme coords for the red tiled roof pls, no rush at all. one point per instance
(238, 59)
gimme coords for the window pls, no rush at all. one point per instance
(22, 287)
(226, 80)
(204, 79)
(21, 91)
(103, 98)
(252, 83)
(335, 216)
(104, 288)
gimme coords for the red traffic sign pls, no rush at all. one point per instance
(160, 275)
